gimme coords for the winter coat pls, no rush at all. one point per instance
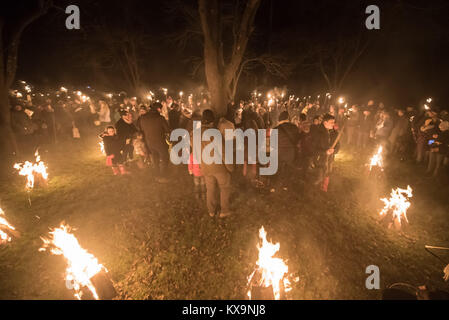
(173, 118)
(288, 135)
(112, 145)
(213, 168)
(125, 130)
(154, 127)
(366, 123)
(321, 140)
(400, 128)
(20, 122)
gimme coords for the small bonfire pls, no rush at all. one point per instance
(7, 231)
(394, 212)
(270, 279)
(36, 173)
(84, 274)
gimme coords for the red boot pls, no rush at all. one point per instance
(123, 170)
(325, 184)
(116, 171)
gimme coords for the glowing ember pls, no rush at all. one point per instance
(82, 265)
(398, 204)
(272, 270)
(376, 160)
(30, 170)
(4, 237)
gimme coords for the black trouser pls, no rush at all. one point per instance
(286, 160)
(218, 186)
(128, 151)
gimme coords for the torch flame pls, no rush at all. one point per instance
(4, 237)
(30, 169)
(82, 265)
(376, 160)
(398, 203)
(272, 270)
(101, 143)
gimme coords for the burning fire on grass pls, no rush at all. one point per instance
(377, 160)
(270, 279)
(33, 171)
(6, 230)
(84, 274)
(395, 209)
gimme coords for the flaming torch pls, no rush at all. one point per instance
(6, 230)
(84, 274)
(396, 207)
(270, 278)
(101, 143)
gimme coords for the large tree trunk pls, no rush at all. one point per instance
(219, 74)
(8, 144)
(10, 33)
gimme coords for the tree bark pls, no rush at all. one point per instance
(220, 75)
(9, 44)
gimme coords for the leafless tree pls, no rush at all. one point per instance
(14, 18)
(221, 73)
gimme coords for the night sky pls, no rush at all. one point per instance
(406, 61)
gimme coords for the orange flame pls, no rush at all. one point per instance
(398, 203)
(82, 266)
(30, 169)
(101, 143)
(272, 270)
(4, 237)
(377, 159)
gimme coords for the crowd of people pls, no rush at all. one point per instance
(309, 136)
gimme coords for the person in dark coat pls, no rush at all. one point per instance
(125, 132)
(365, 127)
(439, 148)
(398, 134)
(155, 128)
(174, 116)
(288, 140)
(384, 126)
(323, 140)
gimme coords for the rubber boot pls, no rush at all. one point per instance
(123, 170)
(325, 184)
(116, 171)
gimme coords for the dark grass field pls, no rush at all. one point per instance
(158, 243)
